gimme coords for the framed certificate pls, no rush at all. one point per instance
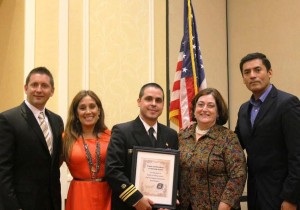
(155, 174)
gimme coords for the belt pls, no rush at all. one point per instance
(91, 180)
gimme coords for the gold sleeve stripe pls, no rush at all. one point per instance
(125, 191)
(128, 192)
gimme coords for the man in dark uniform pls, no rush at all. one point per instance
(136, 133)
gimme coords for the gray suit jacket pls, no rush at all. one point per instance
(29, 175)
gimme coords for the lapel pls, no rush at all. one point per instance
(140, 134)
(162, 140)
(247, 116)
(33, 123)
(265, 107)
(142, 138)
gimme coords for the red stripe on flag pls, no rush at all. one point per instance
(189, 75)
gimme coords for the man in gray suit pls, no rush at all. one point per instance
(136, 133)
(268, 128)
(30, 156)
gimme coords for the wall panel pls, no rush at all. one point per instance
(11, 53)
(119, 55)
(271, 27)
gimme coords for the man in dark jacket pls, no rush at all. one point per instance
(136, 133)
(268, 127)
(30, 149)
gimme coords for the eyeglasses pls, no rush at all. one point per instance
(208, 105)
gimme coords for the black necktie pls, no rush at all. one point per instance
(152, 137)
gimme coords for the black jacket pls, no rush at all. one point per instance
(273, 150)
(119, 157)
(29, 175)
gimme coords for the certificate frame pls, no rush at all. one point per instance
(155, 174)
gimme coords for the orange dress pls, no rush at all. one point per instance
(82, 194)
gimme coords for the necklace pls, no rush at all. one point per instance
(94, 167)
(201, 132)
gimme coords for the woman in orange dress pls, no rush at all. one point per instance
(86, 138)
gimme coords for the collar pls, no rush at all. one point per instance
(190, 131)
(148, 126)
(34, 110)
(263, 97)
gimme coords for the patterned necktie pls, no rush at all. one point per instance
(45, 130)
(151, 134)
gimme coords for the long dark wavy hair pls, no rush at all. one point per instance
(73, 127)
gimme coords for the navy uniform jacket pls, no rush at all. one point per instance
(29, 175)
(273, 149)
(119, 156)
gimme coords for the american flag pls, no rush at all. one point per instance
(189, 75)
